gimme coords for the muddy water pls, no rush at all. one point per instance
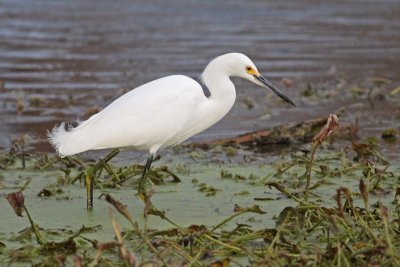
(60, 60)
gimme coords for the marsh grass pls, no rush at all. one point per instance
(330, 221)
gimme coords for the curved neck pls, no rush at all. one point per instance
(222, 92)
(221, 88)
(216, 77)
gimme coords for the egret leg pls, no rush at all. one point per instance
(92, 172)
(89, 191)
(141, 188)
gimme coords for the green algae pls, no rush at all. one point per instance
(222, 210)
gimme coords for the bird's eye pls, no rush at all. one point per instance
(248, 68)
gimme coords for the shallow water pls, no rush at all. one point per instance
(59, 59)
(64, 213)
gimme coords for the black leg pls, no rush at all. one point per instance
(145, 171)
(91, 173)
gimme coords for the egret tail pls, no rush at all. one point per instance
(70, 141)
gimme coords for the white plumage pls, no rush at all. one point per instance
(163, 112)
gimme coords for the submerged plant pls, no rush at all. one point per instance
(330, 126)
(358, 226)
(16, 200)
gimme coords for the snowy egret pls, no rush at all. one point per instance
(163, 112)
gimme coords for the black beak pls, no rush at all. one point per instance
(273, 88)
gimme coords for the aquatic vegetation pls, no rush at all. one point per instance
(390, 135)
(350, 217)
(335, 205)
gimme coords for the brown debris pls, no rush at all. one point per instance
(221, 263)
(287, 82)
(363, 191)
(121, 208)
(302, 132)
(16, 200)
(77, 260)
(284, 134)
(147, 202)
(330, 126)
(108, 245)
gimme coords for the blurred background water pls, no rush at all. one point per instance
(60, 60)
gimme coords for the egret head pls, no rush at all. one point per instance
(246, 69)
(239, 65)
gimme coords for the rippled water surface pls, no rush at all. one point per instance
(60, 60)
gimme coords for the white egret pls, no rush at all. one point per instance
(163, 112)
